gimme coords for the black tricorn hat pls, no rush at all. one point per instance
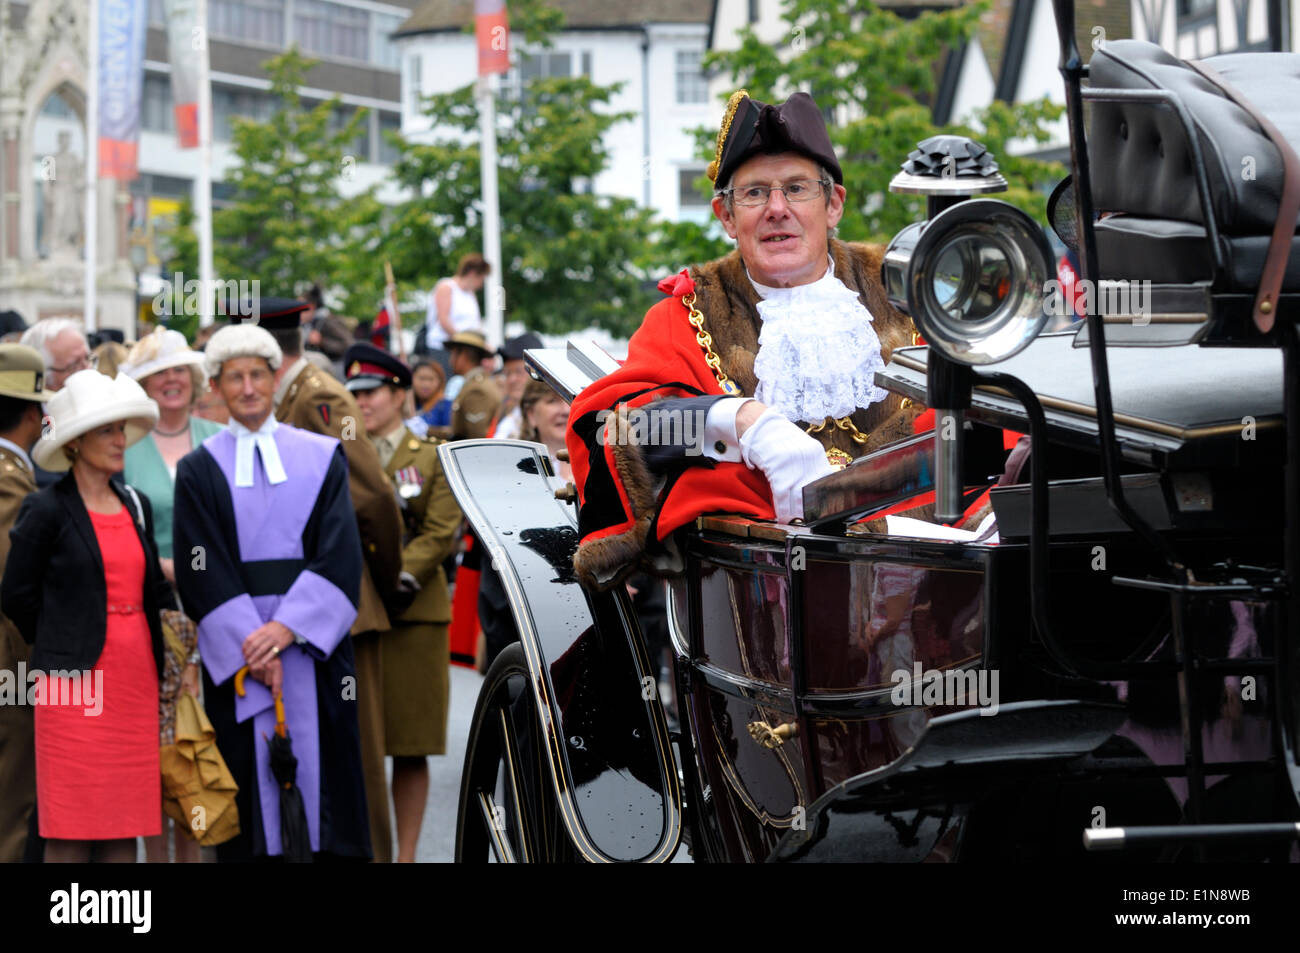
(274, 314)
(751, 128)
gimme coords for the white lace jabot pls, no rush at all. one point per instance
(817, 351)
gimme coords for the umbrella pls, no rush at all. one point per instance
(198, 789)
(295, 840)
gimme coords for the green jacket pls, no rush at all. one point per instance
(146, 472)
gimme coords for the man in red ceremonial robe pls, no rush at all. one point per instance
(755, 376)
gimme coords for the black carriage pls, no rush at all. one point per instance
(1124, 655)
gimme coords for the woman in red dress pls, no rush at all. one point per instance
(83, 585)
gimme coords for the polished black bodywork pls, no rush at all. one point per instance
(1139, 614)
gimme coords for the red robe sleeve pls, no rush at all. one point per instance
(627, 514)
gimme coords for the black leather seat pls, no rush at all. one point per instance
(1142, 165)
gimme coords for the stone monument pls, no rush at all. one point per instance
(45, 53)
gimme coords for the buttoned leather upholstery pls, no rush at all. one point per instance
(1142, 164)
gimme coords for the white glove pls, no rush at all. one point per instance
(788, 457)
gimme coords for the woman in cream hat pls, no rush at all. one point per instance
(83, 586)
(172, 375)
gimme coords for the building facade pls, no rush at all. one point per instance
(351, 40)
(652, 47)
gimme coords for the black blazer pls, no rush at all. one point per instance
(53, 588)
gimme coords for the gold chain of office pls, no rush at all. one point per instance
(836, 457)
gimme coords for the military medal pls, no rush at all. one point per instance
(409, 482)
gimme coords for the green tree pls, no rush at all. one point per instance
(286, 222)
(571, 258)
(877, 72)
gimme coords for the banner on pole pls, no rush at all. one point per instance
(186, 42)
(493, 32)
(122, 26)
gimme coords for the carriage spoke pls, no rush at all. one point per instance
(512, 782)
(500, 845)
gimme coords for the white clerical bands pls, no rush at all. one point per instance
(262, 440)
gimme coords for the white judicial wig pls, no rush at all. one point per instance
(88, 400)
(240, 340)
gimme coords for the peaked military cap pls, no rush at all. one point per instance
(368, 367)
(274, 314)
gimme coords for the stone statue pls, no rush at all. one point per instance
(64, 174)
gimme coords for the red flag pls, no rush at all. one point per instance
(493, 32)
(379, 329)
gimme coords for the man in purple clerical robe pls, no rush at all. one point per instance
(268, 561)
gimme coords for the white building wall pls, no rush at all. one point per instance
(646, 152)
(1040, 75)
(975, 85)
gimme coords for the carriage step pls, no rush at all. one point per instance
(1121, 838)
(1272, 589)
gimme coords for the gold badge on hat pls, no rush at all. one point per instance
(732, 105)
(355, 369)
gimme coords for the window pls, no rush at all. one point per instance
(259, 21)
(330, 29)
(56, 107)
(360, 147)
(414, 83)
(156, 112)
(388, 122)
(157, 13)
(688, 196)
(232, 102)
(753, 11)
(692, 90)
(385, 51)
(544, 65)
(534, 66)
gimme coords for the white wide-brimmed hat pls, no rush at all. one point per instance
(168, 349)
(88, 400)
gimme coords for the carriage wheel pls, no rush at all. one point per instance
(508, 812)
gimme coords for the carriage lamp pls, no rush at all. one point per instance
(973, 276)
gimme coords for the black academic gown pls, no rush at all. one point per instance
(206, 523)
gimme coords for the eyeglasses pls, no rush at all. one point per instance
(77, 364)
(800, 190)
